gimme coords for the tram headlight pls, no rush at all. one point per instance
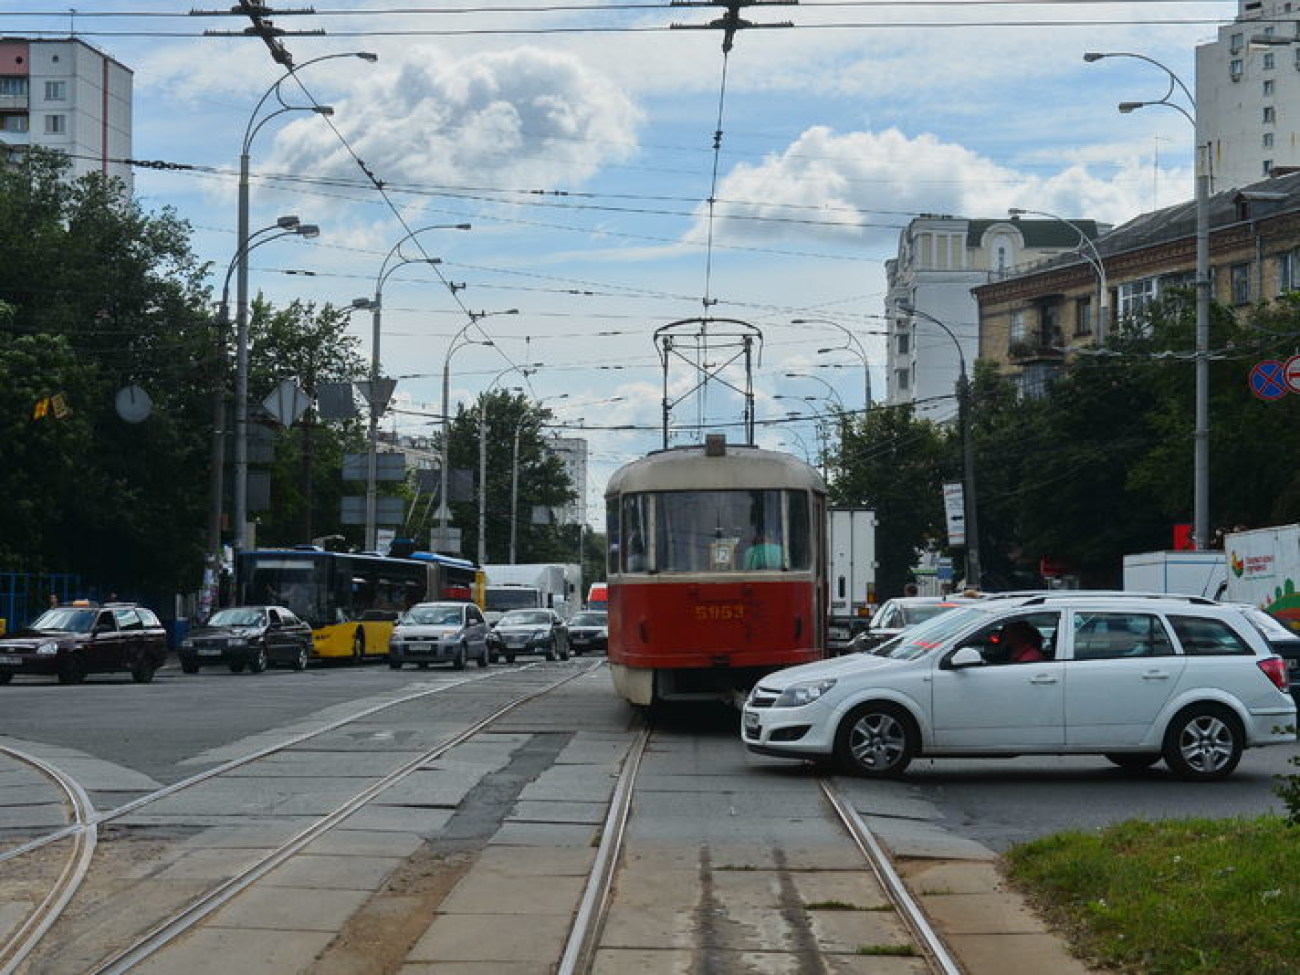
(804, 692)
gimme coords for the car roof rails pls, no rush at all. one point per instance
(1037, 599)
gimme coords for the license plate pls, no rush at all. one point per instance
(420, 647)
(209, 651)
(11, 661)
(751, 723)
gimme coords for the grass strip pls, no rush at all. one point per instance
(1171, 897)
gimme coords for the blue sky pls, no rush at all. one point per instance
(583, 159)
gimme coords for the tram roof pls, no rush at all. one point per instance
(692, 468)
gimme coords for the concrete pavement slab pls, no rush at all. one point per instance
(912, 838)
(544, 834)
(221, 951)
(1020, 954)
(434, 787)
(847, 932)
(594, 782)
(590, 813)
(38, 816)
(856, 888)
(517, 862)
(487, 938)
(399, 819)
(492, 893)
(958, 914)
(363, 842)
(290, 909)
(477, 968)
(333, 872)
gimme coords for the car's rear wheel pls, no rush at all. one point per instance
(1133, 762)
(564, 651)
(394, 662)
(1203, 742)
(143, 669)
(876, 739)
(257, 662)
(483, 658)
(189, 666)
(458, 661)
(72, 670)
(358, 646)
(237, 666)
(510, 658)
(300, 661)
(551, 652)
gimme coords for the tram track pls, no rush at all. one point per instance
(83, 829)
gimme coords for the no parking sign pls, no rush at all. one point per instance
(1270, 379)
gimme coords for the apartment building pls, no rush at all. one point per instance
(1248, 94)
(1032, 322)
(940, 259)
(66, 95)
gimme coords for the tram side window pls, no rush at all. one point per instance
(800, 548)
(634, 552)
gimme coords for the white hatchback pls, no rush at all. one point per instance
(1133, 678)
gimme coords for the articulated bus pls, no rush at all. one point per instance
(716, 571)
(352, 600)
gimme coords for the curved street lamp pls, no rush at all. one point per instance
(1094, 259)
(970, 509)
(853, 344)
(241, 302)
(1201, 437)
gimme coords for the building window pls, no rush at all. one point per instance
(1236, 43)
(1288, 271)
(56, 124)
(1268, 140)
(1269, 60)
(1269, 115)
(1135, 295)
(1240, 275)
(1234, 69)
(1083, 316)
(1018, 333)
(13, 123)
(1049, 326)
(13, 87)
(904, 343)
(1268, 88)
(901, 377)
(1266, 168)
(56, 91)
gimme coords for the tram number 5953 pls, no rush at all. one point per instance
(719, 612)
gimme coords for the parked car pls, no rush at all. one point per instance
(530, 631)
(83, 638)
(1133, 678)
(899, 614)
(248, 637)
(430, 633)
(1284, 642)
(589, 630)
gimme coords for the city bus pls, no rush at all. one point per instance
(352, 600)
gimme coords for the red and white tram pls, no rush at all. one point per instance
(716, 570)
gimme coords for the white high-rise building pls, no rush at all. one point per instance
(66, 95)
(1248, 94)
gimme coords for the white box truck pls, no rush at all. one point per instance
(1186, 573)
(851, 546)
(550, 585)
(1264, 569)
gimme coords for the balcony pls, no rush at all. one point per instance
(1036, 349)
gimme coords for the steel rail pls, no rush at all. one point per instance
(590, 917)
(904, 903)
(207, 903)
(14, 951)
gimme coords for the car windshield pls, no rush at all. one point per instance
(66, 619)
(924, 637)
(238, 616)
(433, 616)
(925, 611)
(524, 617)
(589, 619)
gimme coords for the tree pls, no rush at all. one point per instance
(892, 462)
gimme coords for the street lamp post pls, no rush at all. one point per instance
(1201, 439)
(853, 344)
(970, 507)
(379, 398)
(241, 301)
(458, 341)
(1094, 260)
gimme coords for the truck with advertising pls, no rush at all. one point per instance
(1185, 572)
(1263, 568)
(851, 547)
(534, 585)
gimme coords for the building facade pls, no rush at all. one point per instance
(940, 259)
(1032, 322)
(1248, 94)
(68, 96)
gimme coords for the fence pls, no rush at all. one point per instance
(24, 595)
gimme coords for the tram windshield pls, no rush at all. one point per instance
(714, 531)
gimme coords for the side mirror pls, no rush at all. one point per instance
(966, 657)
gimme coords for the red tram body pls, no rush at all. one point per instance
(716, 571)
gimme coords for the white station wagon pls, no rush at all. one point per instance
(1133, 678)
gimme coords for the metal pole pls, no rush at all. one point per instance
(444, 511)
(482, 480)
(968, 465)
(241, 361)
(372, 460)
(514, 492)
(1201, 460)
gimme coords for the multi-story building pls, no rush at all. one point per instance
(940, 259)
(1248, 94)
(573, 452)
(66, 95)
(1032, 321)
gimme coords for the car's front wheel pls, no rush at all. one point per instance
(483, 657)
(876, 739)
(237, 666)
(72, 670)
(551, 652)
(189, 666)
(143, 669)
(1203, 742)
(458, 661)
(257, 661)
(300, 661)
